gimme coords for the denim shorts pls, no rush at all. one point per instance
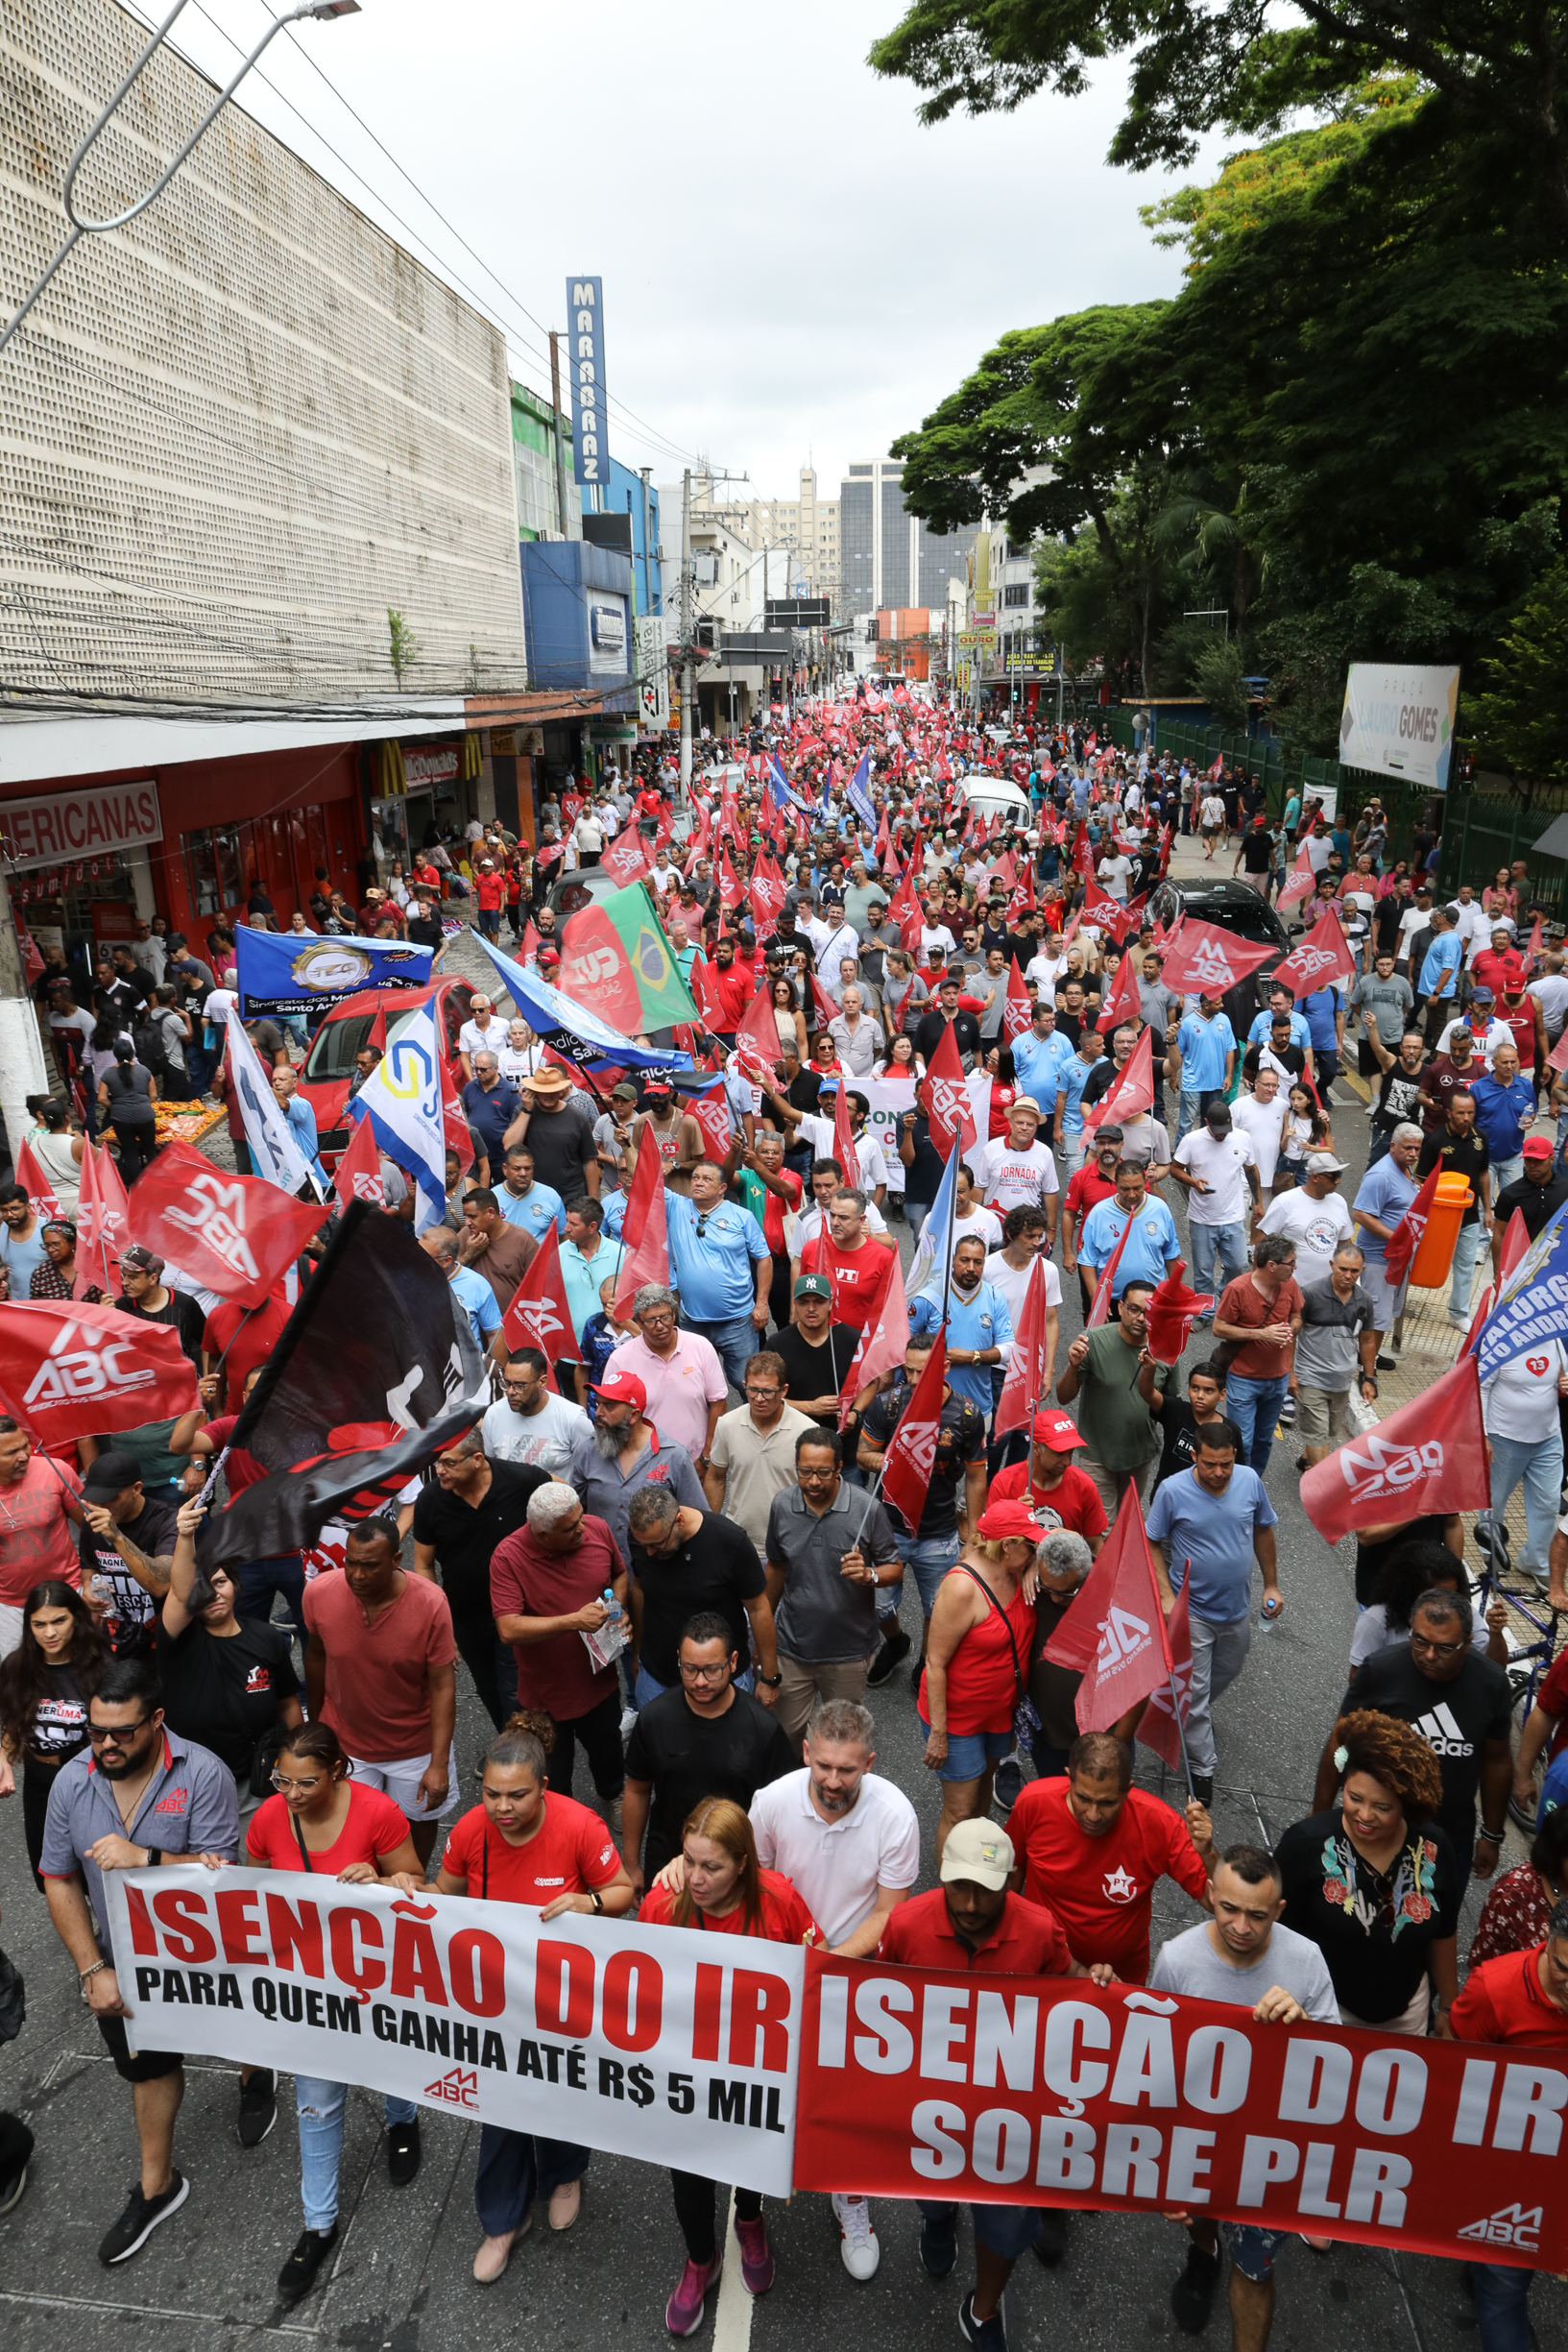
(1253, 2249)
(970, 1751)
(1007, 2230)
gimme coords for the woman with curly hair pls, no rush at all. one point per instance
(45, 1684)
(1374, 1883)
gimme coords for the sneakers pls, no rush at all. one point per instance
(938, 2246)
(857, 2247)
(495, 2253)
(756, 2255)
(1191, 2297)
(895, 1646)
(298, 2275)
(257, 2107)
(1009, 1782)
(986, 2335)
(1051, 2244)
(1203, 1787)
(628, 1721)
(565, 2204)
(1388, 1364)
(1287, 1414)
(140, 2217)
(402, 2152)
(683, 2313)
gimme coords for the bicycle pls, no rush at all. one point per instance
(1528, 1661)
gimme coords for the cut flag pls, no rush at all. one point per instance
(1300, 882)
(237, 1235)
(625, 858)
(1016, 1012)
(1324, 955)
(1400, 1248)
(1429, 1457)
(73, 1371)
(1123, 1002)
(1133, 1092)
(357, 1175)
(1099, 1306)
(949, 1109)
(1205, 958)
(100, 1229)
(1027, 1366)
(884, 1336)
(647, 1259)
(911, 1450)
(1115, 1630)
(1163, 1723)
(538, 1316)
(40, 1193)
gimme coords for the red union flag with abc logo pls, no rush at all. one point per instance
(1115, 1630)
(1205, 957)
(538, 1316)
(1429, 1456)
(75, 1370)
(236, 1234)
(1325, 955)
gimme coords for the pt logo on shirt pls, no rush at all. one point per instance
(1119, 1885)
(259, 1678)
(1442, 1732)
(1123, 1639)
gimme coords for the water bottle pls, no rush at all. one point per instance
(614, 1611)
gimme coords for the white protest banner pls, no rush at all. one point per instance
(889, 1099)
(676, 2048)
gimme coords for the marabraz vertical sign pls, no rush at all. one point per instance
(585, 341)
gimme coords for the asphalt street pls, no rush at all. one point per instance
(400, 2280)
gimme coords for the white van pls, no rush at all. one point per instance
(995, 794)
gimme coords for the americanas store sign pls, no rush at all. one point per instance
(85, 824)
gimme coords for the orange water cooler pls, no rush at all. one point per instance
(1435, 1257)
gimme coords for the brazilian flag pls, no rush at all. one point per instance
(616, 959)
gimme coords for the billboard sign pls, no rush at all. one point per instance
(92, 821)
(1398, 720)
(585, 340)
(652, 672)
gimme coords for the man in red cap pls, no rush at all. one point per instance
(1537, 1193)
(1055, 1491)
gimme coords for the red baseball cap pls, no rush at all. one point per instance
(1008, 1523)
(621, 1386)
(1538, 1147)
(1057, 1430)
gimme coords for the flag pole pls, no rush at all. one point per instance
(1175, 1709)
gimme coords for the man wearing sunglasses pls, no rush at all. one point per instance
(138, 1795)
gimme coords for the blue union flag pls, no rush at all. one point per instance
(1533, 1304)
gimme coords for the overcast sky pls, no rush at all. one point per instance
(792, 266)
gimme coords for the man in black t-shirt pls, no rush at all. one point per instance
(705, 1740)
(123, 1522)
(559, 1128)
(146, 1296)
(1458, 1698)
(816, 1352)
(966, 1029)
(1256, 853)
(470, 1507)
(685, 1563)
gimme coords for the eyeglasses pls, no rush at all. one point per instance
(703, 1674)
(1436, 1648)
(763, 1396)
(300, 1789)
(97, 1734)
(657, 1315)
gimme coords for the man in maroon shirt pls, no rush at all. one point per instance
(546, 1585)
(970, 1925)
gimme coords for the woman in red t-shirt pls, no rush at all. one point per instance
(322, 1822)
(524, 1844)
(727, 1892)
(977, 1662)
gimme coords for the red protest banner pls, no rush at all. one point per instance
(1207, 959)
(1429, 1456)
(72, 1370)
(1026, 1381)
(236, 1234)
(625, 858)
(645, 1218)
(912, 1452)
(1050, 2091)
(40, 1193)
(538, 1316)
(357, 1175)
(1325, 955)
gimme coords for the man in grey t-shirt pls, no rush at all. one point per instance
(1243, 1956)
(1335, 1351)
(828, 1548)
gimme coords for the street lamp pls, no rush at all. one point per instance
(324, 10)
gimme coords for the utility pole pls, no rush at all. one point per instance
(647, 546)
(687, 670)
(560, 430)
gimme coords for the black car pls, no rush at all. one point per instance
(1235, 907)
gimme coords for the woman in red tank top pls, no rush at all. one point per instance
(977, 1663)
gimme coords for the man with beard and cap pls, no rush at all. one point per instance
(623, 1452)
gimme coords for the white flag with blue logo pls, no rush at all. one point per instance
(401, 1098)
(275, 1150)
(935, 1248)
(858, 793)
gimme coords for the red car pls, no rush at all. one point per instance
(328, 1070)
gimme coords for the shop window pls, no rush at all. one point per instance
(212, 863)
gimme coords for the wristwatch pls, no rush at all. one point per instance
(771, 1682)
(596, 1897)
(155, 1856)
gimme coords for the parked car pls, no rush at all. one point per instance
(329, 1065)
(995, 796)
(1235, 906)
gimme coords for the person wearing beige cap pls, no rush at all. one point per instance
(972, 1925)
(557, 1123)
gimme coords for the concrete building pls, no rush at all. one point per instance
(889, 559)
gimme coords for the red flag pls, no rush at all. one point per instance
(1557, 1058)
(845, 1149)
(1532, 947)
(1300, 882)
(1405, 1240)
(1325, 955)
(530, 943)
(1209, 960)
(826, 1010)
(1099, 1306)
(1027, 1366)
(234, 1234)
(100, 1229)
(538, 1316)
(1133, 1093)
(1081, 858)
(74, 1370)
(711, 1110)
(1172, 1309)
(730, 892)
(1429, 1456)
(1515, 1242)
(759, 1029)
(1160, 1727)
(1478, 1319)
(648, 1260)
(949, 1106)
(357, 1175)
(40, 1193)
(912, 1452)
(1124, 1002)
(456, 1134)
(1016, 1012)
(1119, 1610)
(884, 1335)
(625, 858)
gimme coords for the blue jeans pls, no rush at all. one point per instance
(1253, 1405)
(1229, 1241)
(917, 1212)
(515, 2166)
(930, 1559)
(1502, 2296)
(1007, 2230)
(261, 1579)
(1194, 1105)
(1377, 1149)
(321, 2108)
(736, 1340)
(198, 1071)
(1539, 1467)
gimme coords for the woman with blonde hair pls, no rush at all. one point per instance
(726, 1892)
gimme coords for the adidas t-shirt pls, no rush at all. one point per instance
(1454, 1719)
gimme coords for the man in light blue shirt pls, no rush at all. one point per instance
(1209, 1524)
(1152, 1246)
(1439, 968)
(980, 1328)
(722, 1268)
(1280, 1000)
(536, 1207)
(471, 1291)
(301, 1123)
(1387, 1191)
(588, 1257)
(1039, 1055)
(1073, 1075)
(1206, 1052)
